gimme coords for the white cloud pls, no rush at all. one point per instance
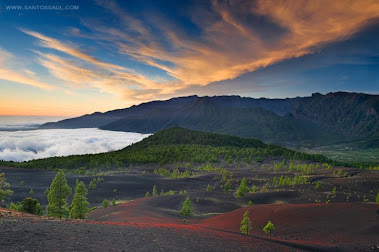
(13, 123)
(34, 144)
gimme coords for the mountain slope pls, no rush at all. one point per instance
(349, 114)
(98, 119)
(204, 115)
(309, 121)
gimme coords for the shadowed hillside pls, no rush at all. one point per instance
(297, 122)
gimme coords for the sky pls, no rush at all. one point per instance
(71, 57)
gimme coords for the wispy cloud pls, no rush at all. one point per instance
(85, 71)
(6, 73)
(230, 46)
(233, 38)
(45, 41)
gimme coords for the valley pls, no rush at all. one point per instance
(316, 123)
(283, 186)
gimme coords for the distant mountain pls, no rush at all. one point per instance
(316, 120)
(352, 115)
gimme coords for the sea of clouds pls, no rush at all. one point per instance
(12, 123)
(23, 145)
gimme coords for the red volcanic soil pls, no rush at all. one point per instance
(139, 226)
(312, 226)
(345, 225)
(134, 211)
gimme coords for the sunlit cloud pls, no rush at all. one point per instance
(235, 37)
(119, 83)
(14, 76)
(85, 71)
(230, 46)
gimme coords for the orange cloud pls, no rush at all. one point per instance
(119, 83)
(10, 75)
(230, 46)
(123, 82)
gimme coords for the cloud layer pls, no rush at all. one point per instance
(34, 144)
(14, 123)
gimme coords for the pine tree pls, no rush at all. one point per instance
(246, 224)
(4, 191)
(227, 186)
(12, 206)
(318, 185)
(113, 202)
(334, 190)
(377, 198)
(242, 189)
(162, 193)
(187, 208)
(208, 188)
(92, 185)
(79, 205)
(31, 192)
(58, 194)
(147, 194)
(105, 203)
(269, 228)
(155, 191)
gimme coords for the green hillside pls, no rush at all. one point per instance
(350, 119)
(204, 115)
(172, 146)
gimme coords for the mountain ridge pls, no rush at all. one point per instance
(315, 120)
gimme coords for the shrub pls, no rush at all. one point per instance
(12, 206)
(155, 191)
(4, 191)
(318, 185)
(227, 186)
(30, 205)
(269, 228)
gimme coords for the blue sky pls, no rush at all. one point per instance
(99, 55)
